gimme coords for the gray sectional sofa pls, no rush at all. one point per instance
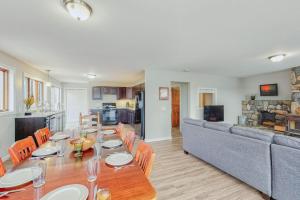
(270, 163)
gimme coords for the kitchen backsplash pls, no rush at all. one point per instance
(126, 103)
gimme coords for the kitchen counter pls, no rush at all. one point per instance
(38, 114)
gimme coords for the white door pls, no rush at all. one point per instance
(76, 102)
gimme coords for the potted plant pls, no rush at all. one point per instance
(28, 103)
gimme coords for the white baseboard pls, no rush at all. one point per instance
(158, 139)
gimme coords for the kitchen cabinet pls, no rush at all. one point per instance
(131, 117)
(122, 116)
(129, 93)
(121, 94)
(97, 93)
(110, 90)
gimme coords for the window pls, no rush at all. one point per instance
(55, 98)
(4, 94)
(34, 88)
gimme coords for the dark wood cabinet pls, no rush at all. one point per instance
(97, 93)
(131, 117)
(121, 94)
(110, 90)
(122, 116)
(129, 93)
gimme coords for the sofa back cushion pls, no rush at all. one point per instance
(254, 133)
(287, 141)
(224, 127)
(196, 122)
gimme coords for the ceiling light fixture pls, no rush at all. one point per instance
(48, 83)
(91, 76)
(277, 58)
(78, 9)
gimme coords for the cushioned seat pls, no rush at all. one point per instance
(196, 122)
(224, 127)
(287, 141)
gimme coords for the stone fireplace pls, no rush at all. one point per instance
(269, 113)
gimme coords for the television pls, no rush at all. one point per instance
(214, 113)
(268, 90)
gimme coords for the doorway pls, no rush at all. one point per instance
(76, 102)
(179, 106)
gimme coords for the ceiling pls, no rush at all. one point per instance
(124, 37)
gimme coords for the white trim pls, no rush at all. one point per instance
(158, 139)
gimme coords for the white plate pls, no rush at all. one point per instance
(74, 192)
(108, 132)
(119, 159)
(17, 177)
(59, 136)
(91, 130)
(112, 144)
(44, 151)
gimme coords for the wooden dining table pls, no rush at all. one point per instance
(124, 183)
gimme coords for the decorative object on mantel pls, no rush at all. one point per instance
(163, 93)
(252, 97)
(28, 103)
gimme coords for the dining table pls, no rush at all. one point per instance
(124, 183)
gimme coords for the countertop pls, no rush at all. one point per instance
(38, 114)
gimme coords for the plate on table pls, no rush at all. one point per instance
(119, 159)
(59, 136)
(91, 130)
(112, 144)
(44, 151)
(108, 132)
(74, 192)
(17, 178)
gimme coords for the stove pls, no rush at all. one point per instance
(109, 114)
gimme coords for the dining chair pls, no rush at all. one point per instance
(89, 121)
(145, 157)
(2, 168)
(42, 135)
(21, 150)
(120, 130)
(129, 140)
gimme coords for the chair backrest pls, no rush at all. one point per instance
(42, 135)
(120, 131)
(129, 140)
(2, 168)
(145, 157)
(88, 121)
(21, 150)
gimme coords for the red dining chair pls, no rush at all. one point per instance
(145, 157)
(129, 140)
(2, 168)
(21, 150)
(42, 135)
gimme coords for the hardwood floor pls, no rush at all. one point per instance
(177, 176)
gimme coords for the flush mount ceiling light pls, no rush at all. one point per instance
(277, 58)
(91, 76)
(78, 9)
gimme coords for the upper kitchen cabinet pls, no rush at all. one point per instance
(121, 94)
(129, 93)
(110, 90)
(97, 93)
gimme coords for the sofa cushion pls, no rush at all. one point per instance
(254, 133)
(224, 127)
(287, 141)
(196, 122)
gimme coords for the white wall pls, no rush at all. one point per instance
(250, 85)
(158, 112)
(7, 120)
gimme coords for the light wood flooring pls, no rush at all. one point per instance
(177, 176)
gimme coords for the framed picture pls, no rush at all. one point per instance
(163, 93)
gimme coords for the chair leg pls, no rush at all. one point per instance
(187, 153)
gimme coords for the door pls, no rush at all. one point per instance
(175, 106)
(76, 102)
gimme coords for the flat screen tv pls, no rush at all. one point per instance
(269, 90)
(214, 113)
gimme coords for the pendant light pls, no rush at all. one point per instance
(48, 83)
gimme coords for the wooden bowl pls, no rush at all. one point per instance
(87, 143)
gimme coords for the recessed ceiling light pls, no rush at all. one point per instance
(91, 76)
(277, 58)
(78, 9)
